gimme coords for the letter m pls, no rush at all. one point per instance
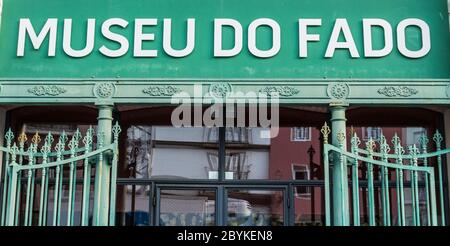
(25, 28)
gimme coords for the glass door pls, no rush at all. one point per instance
(256, 206)
(185, 205)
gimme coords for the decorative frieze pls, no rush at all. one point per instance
(47, 90)
(285, 91)
(161, 90)
(397, 91)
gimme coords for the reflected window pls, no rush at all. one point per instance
(236, 165)
(301, 172)
(372, 132)
(301, 134)
(310, 212)
(249, 153)
(165, 152)
(232, 134)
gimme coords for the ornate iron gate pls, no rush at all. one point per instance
(393, 171)
(29, 165)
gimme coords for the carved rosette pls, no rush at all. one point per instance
(161, 90)
(220, 90)
(285, 91)
(338, 91)
(47, 90)
(397, 91)
(104, 90)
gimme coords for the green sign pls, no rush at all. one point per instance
(214, 39)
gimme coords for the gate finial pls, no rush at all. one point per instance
(341, 138)
(384, 146)
(370, 146)
(116, 131)
(9, 137)
(423, 142)
(325, 132)
(22, 138)
(36, 139)
(438, 139)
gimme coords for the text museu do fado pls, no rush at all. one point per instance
(306, 36)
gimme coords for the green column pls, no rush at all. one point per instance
(340, 191)
(103, 168)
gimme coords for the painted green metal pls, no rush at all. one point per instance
(41, 163)
(438, 140)
(423, 141)
(9, 136)
(343, 179)
(434, 220)
(103, 169)
(73, 145)
(298, 91)
(326, 174)
(339, 173)
(384, 149)
(28, 206)
(87, 140)
(399, 151)
(360, 157)
(355, 141)
(286, 64)
(413, 150)
(370, 145)
(112, 207)
(34, 79)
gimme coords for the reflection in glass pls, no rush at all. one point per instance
(133, 203)
(187, 208)
(255, 208)
(161, 152)
(309, 209)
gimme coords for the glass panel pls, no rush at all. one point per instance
(150, 152)
(133, 204)
(255, 155)
(309, 206)
(255, 207)
(194, 207)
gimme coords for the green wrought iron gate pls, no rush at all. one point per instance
(30, 163)
(396, 171)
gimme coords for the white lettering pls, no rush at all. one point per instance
(304, 37)
(341, 25)
(401, 40)
(37, 40)
(276, 38)
(367, 32)
(218, 49)
(68, 36)
(167, 46)
(124, 45)
(139, 37)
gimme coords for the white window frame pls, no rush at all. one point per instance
(366, 133)
(294, 136)
(298, 168)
